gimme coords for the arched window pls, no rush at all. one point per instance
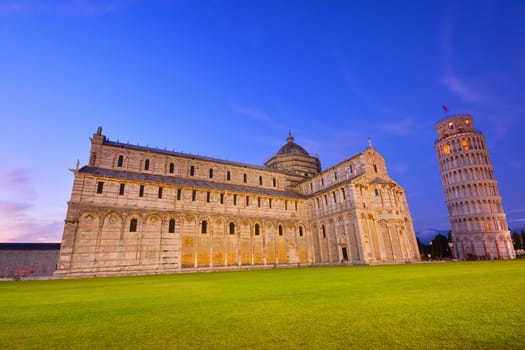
(171, 226)
(228, 176)
(260, 180)
(146, 164)
(274, 182)
(204, 226)
(257, 230)
(120, 160)
(133, 225)
(234, 199)
(324, 231)
(192, 170)
(100, 187)
(244, 178)
(172, 168)
(464, 144)
(280, 230)
(211, 173)
(351, 169)
(446, 149)
(300, 231)
(232, 228)
(375, 168)
(193, 195)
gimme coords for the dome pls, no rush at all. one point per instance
(292, 148)
(294, 159)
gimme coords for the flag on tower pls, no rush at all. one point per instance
(445, 109)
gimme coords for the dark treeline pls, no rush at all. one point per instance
(517, 239)
(438, 249)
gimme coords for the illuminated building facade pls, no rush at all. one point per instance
(479, 225)
(140, 210)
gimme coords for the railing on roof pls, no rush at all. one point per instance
(454, 116)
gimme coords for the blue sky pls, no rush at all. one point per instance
(229, 79)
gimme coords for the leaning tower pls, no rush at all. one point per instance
(479, 225)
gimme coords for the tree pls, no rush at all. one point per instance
(439, 248)
(423, 249)
(517, 240)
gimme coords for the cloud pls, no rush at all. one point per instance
(461, 88)
(400, 168)
(20, 223)
(99, 7)
(399, 128)
(65, 7)
(25, 231)
(256, 115)
(16, 181)
(458, 85)
(11, 8)
(13, 209)
(516, 164)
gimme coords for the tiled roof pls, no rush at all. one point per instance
(379, 180)
(177, 181)
(187, 155)
(29, 246)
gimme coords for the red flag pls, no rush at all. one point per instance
(445, 109)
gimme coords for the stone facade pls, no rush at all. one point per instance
(139, 210)
(479, 224)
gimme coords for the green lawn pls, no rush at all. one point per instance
(474, 305)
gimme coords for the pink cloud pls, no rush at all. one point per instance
(16, 181)
(25, 231)
(19, 222)
(11, 209)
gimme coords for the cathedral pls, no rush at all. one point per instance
(138, 210)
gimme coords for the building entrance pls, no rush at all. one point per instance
(345, 254)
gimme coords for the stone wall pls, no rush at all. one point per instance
(38, 260)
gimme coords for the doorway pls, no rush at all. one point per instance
(345, 254)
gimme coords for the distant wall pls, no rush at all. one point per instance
(40, 258)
